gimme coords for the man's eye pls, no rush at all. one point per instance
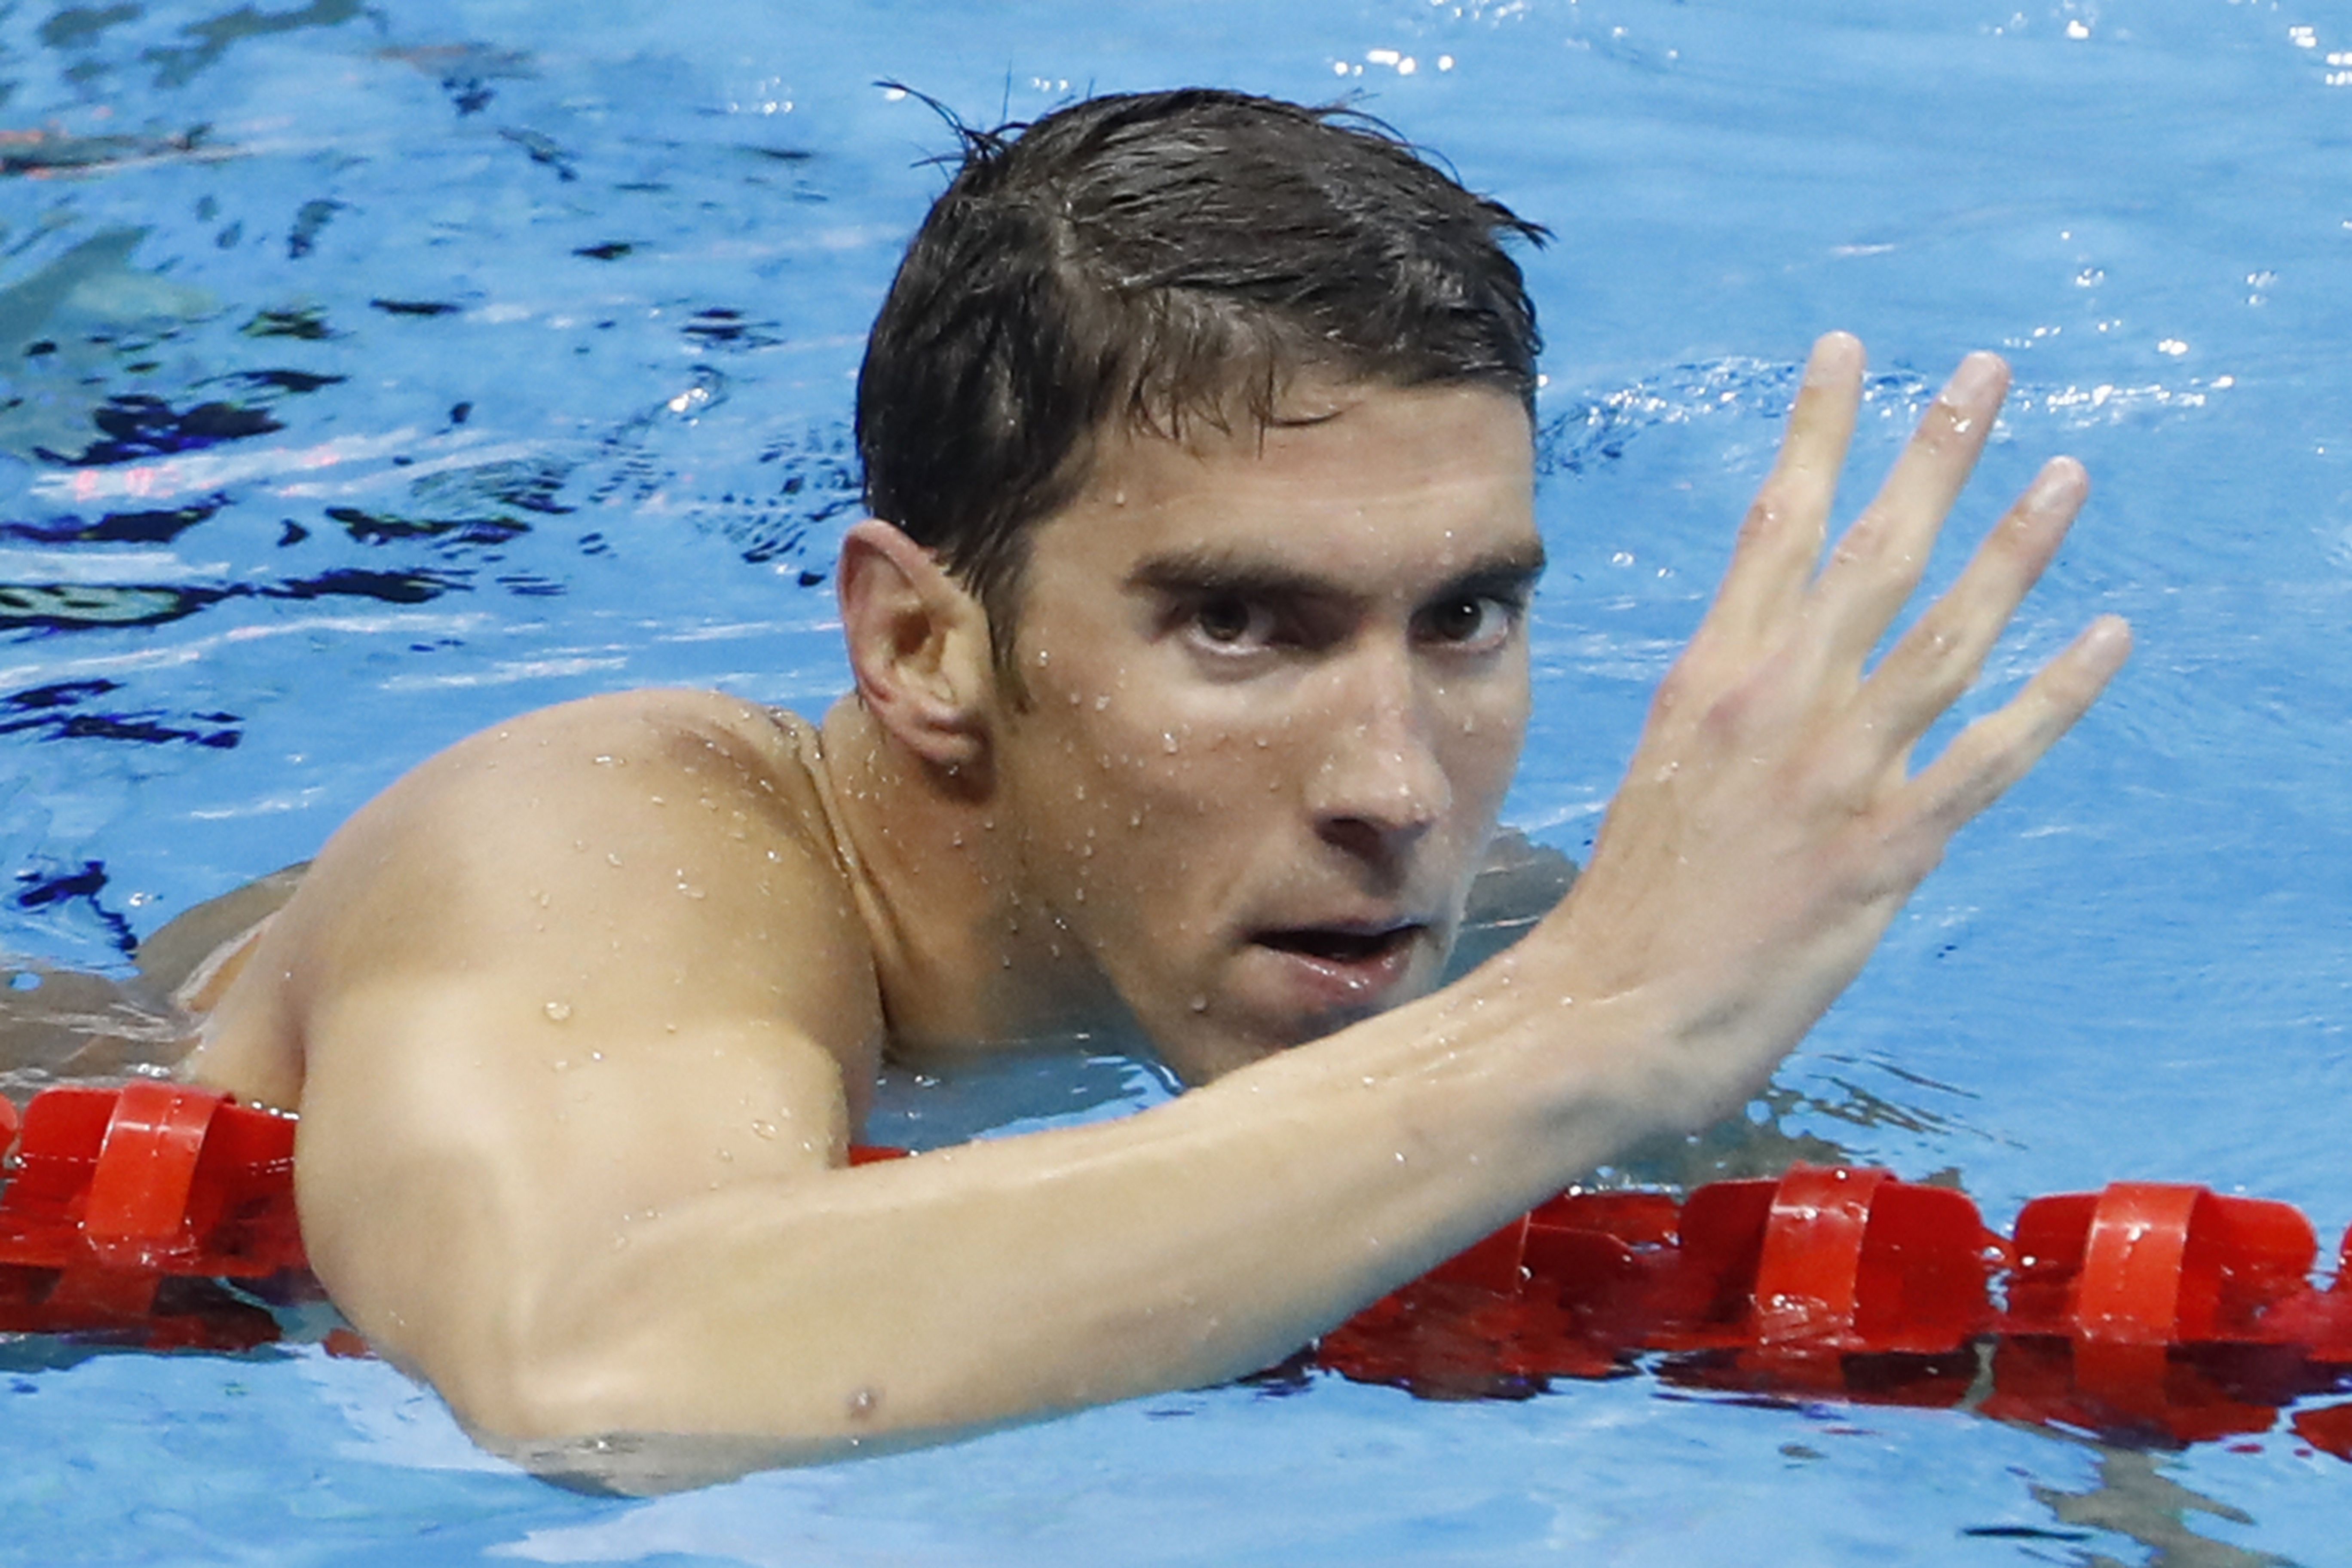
(1230, 621)
(1474, 620)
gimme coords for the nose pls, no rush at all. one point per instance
(1380, 785)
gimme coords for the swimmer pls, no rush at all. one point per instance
(1191, 661)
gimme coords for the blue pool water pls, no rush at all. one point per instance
(369, 375)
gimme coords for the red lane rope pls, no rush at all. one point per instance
(2156, 1310)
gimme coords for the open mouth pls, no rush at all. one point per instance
(1335, 946)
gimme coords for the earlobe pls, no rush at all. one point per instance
(918, 647)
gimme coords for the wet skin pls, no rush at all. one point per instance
(581, 1014)
(1275, 689)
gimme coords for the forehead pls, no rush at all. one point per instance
(1372, 485)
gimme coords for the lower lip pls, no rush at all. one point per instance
(1321, 985)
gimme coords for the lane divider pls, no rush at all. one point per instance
(122, 1205)
(163, 1215)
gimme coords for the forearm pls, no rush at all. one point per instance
(1007, 1279)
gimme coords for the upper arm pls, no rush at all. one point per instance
(565, 974)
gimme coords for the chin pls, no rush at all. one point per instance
(1201, 1061)
(1243, 1028)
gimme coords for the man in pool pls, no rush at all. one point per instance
(1188, 635)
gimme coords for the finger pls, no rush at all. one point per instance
(1999, 748)
(1940, 657)
(1781, 538)
(1877, 564)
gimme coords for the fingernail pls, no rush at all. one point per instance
(2060, 483)
(2108, 640)
(1834, 355)
(1977, 376)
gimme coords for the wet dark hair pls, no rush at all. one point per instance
(1156, 258)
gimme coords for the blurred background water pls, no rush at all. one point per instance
(367, 373)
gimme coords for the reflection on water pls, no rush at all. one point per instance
(2134, 1498)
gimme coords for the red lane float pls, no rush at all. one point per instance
(2152, 1310)
(122, 1206)
(1826, 1281)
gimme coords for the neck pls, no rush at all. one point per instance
(966, 955)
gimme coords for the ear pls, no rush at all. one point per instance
(918, 646)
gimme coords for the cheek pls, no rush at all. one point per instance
(1479, 741)
(1149, 817)
(1490, 736)
(1161, 743)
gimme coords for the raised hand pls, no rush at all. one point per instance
(1771, 822)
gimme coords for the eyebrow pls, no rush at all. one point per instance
(1506, 573)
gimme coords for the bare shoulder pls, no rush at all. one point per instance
(581, 970)
(636, 863)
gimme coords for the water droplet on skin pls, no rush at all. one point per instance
(1168, 741)
(542, 899)
(612, 858)
(1200, 1003)
(558, 1011)
(726, 1156)
(690, 890)
(604, 760)
(1102, 702)
(658, 800)
(1135, 818)
(764, 1128)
